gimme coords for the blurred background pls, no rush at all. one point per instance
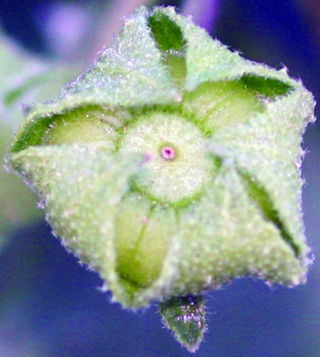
(51, 306)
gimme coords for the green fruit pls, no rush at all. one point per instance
(172, 165)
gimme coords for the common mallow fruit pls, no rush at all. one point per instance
(171, 166)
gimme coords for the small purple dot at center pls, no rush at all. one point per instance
(168, 153)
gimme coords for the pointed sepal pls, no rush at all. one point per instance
(185, 317)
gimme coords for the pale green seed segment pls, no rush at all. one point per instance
(178, 166)
(219, 104)
(143, 236)
(83, 125)
(177, 67)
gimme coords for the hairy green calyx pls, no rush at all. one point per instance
(178, 165)
(172, 166)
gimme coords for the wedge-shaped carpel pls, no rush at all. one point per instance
(172, 165)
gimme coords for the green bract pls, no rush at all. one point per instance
(172, 165)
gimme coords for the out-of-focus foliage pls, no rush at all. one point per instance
(24, 79)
